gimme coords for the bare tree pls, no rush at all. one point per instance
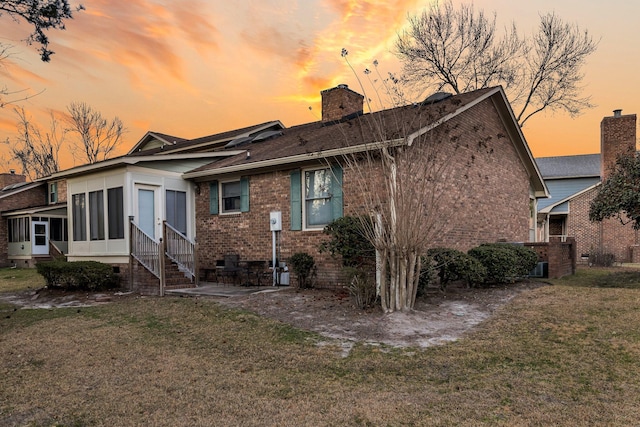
(37, 151)
(460, 50)
(405, 180)
(99, 137)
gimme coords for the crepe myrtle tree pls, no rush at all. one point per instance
(459, 50)
(619, 195)
(409, 201)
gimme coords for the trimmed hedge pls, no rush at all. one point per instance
(452, 265)
(505, 262)
(78, 275)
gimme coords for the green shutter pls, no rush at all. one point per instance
(336, 191)
(213, 198)
(296, 200)
(244, 194)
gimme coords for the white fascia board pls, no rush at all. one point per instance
(336, 152)
(134, 160)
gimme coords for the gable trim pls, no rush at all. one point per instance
(547, 209)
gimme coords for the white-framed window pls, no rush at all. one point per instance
(19, 229)
(53, 192)
(96, 215)
(176, 207)
(115, 213)
(230, 193)
(316, 197)
(229, 197)
(317, 209)
(78, 208)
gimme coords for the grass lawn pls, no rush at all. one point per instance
(567, 354)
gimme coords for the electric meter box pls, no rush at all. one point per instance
(275, 221)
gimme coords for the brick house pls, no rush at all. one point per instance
(33, 225)
(573, 182)
(492, 192)
(220, 190)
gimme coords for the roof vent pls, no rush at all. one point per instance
(437, 97)
(266, 135)
(238, 141)
(617, 113)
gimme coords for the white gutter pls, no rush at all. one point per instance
(132, 160)
(295, 159)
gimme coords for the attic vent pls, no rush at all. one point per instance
(266, 135)
(437, 97)
(238, 141)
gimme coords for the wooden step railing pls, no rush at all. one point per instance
(147, 252)
(181, 251)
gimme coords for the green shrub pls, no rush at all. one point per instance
(505, 262)
(362, 287)
(348, 240)
(303, 266)
(78, 275)
(452, 265)
(601, 259)
(428, 275)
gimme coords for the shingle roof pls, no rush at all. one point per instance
(578, 166)
(186, 145)
(318, 136)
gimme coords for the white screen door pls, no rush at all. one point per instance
(39, 238)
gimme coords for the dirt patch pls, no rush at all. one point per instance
(437, 317)
(54, 298)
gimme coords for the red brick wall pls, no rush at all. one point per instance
(617, 138)
(486, 199)
(24, 199)
(340, 101)
(610, 236)
(560, 256)
(11, 178)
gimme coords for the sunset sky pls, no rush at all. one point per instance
(191, 68)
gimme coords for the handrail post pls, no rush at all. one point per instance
(195, 262)
(163, 278)
(131, 252)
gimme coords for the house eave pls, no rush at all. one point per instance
(548, 209)
(134, 160)
(300, 158)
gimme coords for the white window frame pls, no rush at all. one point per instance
(303, 187)
(53, 193)
(221, 197)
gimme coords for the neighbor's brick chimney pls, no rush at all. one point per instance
(11, 178)
(339, 102)
(617, 137)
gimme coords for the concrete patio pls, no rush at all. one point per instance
(219, 290)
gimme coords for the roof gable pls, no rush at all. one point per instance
(579, 166)
(398, 125)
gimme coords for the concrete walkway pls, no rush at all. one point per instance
(217, 290)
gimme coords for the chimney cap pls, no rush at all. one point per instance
(617, 113)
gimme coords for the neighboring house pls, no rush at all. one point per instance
(573, 182)
(491, 193)
(33, 225)
(222, 190)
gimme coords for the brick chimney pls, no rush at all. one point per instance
(339, 102)
(617, 138)
(11, 178)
